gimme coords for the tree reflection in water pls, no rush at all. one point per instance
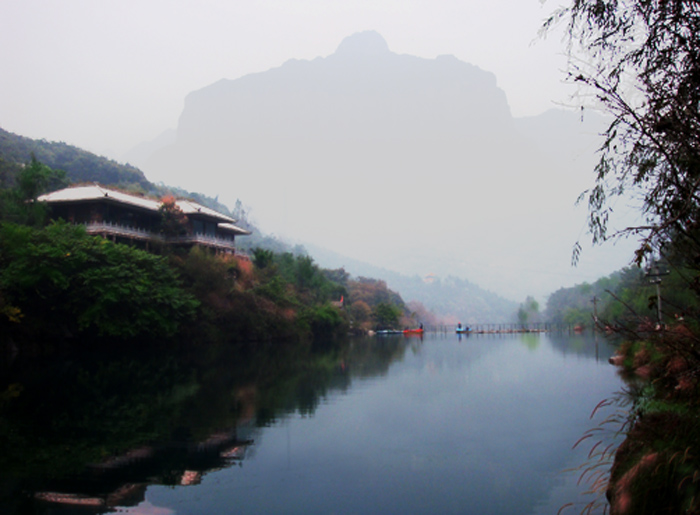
(95, 430)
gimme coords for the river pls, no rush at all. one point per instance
(478, 424)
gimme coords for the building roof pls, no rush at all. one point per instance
(95, 192)
(191, 208)
(234, 229)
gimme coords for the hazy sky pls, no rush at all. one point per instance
(106, 75)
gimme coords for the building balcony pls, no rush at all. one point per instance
(114, 230)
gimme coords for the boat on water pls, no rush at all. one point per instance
(418, 330)
(463, 329)
(385, 332)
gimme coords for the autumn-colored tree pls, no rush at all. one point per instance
(173, 222)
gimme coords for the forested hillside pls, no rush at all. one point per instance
(629, 295)
(451, 298)
(82, 166)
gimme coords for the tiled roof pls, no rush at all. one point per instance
(96, 192)
(233, 228)
(189, 207)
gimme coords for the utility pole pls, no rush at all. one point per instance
(655, 273)
(594, 300)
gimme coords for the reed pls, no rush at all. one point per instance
(604, 439)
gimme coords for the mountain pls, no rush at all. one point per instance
(143, 151)
(415, 165)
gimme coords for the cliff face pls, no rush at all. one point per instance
(361, 92)
(363, 103)
(411, 164)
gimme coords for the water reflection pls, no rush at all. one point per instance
(443, 423)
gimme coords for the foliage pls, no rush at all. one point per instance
(17, 204)
(80, 166)
(279, 297)
(310, 282)
(373, 305)
(173, 222)
(373, 292)
(566, 304)
(262, 258)
(65, 282)
(529, 312)
(386, 315)
(58, 281)
(640, 59)
(656, 467)
(625, 298)
(325, 322)
(231, 307)
(8, 171)
(204, 273)
(360, 311)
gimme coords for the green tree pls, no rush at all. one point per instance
(65, 282)
(522, 315)
(529, 311)
(325, 322)
(18, 203)
(262, 258)
(386, 315)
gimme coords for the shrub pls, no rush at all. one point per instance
(66, 282)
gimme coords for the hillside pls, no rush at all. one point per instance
(451, 298)
(82, 166)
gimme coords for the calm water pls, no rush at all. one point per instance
(481, 424)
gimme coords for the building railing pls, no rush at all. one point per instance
(203, 239)
(121, 230)
(124, 231)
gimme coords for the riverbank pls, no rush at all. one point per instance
(657, 467)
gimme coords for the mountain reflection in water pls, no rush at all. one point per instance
(444, 423)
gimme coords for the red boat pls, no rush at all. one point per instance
(413, 331)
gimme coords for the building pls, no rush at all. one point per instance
(135, 219)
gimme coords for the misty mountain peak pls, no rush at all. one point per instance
(364, 43)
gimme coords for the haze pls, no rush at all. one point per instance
(106, 76)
